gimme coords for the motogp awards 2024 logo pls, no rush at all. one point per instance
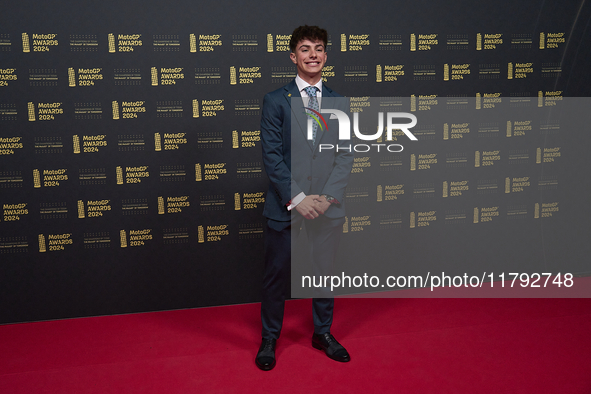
(345, 130)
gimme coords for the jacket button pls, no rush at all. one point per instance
(309, 178)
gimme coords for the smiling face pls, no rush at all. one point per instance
(309, 57)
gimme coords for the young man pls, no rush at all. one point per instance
(306, 185)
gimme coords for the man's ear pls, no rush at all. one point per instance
(292, 56)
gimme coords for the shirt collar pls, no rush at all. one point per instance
(303, 84)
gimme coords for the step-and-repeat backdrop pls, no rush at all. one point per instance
(131, 176)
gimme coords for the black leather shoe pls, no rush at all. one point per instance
(331, 347)
(266, 356)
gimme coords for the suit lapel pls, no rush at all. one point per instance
(297, 111)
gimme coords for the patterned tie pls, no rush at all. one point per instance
(313, 103)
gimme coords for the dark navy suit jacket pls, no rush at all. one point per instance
(292, 162)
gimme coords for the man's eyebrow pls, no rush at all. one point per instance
(308, 46)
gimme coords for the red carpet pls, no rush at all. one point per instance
(396, 346)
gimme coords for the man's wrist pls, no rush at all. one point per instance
(295, 201)
(330, 198)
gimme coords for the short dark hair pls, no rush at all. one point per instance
(312, 33)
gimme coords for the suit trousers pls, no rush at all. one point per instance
(323, 240)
